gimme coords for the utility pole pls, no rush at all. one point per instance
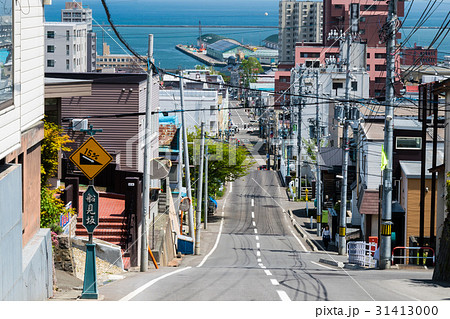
(299, 136)
(186, 159)
(205, 218)
(146, 175)
(386, 216)
(318, 179)
(198, 215)
(342, 246)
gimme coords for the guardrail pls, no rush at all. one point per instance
(360, 253)
(413, 257)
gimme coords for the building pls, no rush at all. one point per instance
(66, 47)
(265, 56)
(299, 21)
(223, 49)
(205, 99)
(76, 12)
(25, 248)
(271, 42)
(419, 55)
(119, 63)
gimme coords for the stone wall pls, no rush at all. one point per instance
(63, 257)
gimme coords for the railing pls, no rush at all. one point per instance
(360, 253)
(413, 257)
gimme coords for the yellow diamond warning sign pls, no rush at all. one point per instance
(91, 158)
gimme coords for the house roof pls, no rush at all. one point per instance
(330, 156)
(369, 203)
(211, 38)
(412, 169)
(109, 78)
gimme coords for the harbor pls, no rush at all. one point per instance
(199, 55)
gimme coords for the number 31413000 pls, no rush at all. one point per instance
(407, 310)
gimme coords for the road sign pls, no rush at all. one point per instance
(91, 158)
(90, 209)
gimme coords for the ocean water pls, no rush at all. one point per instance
(208, 12)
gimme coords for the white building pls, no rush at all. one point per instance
(66, 47)
(299, 21)
(203, 101)
(25, 248)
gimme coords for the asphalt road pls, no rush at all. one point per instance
(252, 252)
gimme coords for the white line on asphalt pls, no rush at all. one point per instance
(254, 224)
(215, 245)
(257, 237)
(323, 266)
(253, 202)
(268, 273)
(255, 230)
(253, 214)
(259, 260)
(258, 245)
(231, 187)
(283, 295)
(300, 242)
(262, 266)
(258, 253)
(274, 282)
(136, 292)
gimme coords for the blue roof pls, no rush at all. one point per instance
(4, 53)
(169, 120)
(222, 46)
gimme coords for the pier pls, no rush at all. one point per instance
(200, 56)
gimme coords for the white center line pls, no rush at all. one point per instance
(258, 253)
(283, 295)
(268, 273)
(136, 292)
(258, 245)
(259, 260)
(253, 202)
(253, 214)
(274, 282)
(255, 230)
(257, 237)
(262, 266)
(253, 223)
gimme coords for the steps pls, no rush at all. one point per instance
(110, 229)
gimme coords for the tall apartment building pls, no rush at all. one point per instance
(299, 21)
(66, 46)
(75, 12)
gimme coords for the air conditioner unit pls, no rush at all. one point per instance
(79, 124)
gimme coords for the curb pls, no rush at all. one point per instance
(339, 264)
(301, 232)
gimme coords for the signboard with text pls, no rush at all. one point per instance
(90, 209)
(91, 158)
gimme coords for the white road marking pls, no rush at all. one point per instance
(136, 292)
(253, 214)
(300, 242)
(268, 273)
(283, 295)
(274, 282)
(253, 223)
(259, 260)
(255, 230)
(258, 253)
(231, 187)
(262, 266)
(258, 245)
(323, 266)
(215, 245)
(253, 202)
(257, 237)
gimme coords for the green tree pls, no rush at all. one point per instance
(249, 69)
(226, 162)
(51, 206)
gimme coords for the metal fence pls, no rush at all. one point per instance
(360, 253)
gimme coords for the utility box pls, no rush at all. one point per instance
(185, 245)
(373, 239)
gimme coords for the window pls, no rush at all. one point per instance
(50, 49)
(6, 60)
(51, 63)
(50, 34)
(380, 80)
(354, 86)
(338, 85)
(368, 67)
(67, 35)
(67, 65)
(67, 49)
(380, 67)
(408, 143)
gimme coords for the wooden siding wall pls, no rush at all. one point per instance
(119, 134)
(413, 211)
